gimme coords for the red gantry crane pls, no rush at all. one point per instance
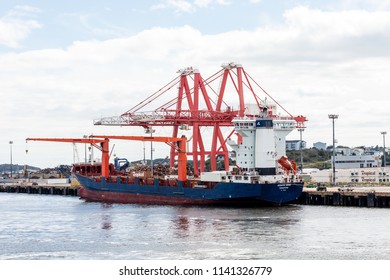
(197, 105)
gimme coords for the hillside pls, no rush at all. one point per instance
(312, 158)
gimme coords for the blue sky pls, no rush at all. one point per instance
(65, 63)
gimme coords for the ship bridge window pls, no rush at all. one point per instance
(245, 177)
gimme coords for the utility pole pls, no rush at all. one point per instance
(10, 149)
(151, 130)
(333, 117)
(301, 129)
(384, 148)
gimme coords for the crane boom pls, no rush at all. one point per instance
(104, 148)
(181, 148)
(165, 139)
(103, 140)
(69, 140)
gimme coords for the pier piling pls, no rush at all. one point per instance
(41, 189)
(376, 197)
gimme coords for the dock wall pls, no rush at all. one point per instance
(356, 198)
(42, 189)
(345, 198)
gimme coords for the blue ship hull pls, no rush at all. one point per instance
(187, 193)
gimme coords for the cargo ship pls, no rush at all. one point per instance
(257, 172)
(260, 177)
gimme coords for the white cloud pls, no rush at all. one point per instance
(15, 27)
(202, 3)
(178, 5)
(206, 3)
(182, 6)
(23, 11)
(321, 26)
(314, 64)
(373, 4)
(93, 24)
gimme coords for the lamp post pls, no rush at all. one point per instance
(301, 129)
(151, 131)
(10, 151)
(333, 117)
(384, 148)
(85, 149)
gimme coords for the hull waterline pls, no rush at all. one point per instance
(222, 194)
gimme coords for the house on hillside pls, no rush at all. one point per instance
(295, 145)
(319, 145)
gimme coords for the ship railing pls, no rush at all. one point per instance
(274, 117)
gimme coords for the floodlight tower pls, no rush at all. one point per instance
(333, 117)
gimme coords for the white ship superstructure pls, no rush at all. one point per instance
(263, 142)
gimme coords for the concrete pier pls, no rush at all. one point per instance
(354, 197)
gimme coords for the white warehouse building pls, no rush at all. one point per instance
(352, 175)
(358, 161)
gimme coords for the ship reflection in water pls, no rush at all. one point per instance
(211, 224)
(41, 227)
(106, 216)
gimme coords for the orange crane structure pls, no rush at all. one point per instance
(177, 144)
(102, 143)
(198, 104)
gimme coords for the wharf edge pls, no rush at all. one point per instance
(378, 197)
(67, 190)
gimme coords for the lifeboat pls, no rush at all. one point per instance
(288, 165)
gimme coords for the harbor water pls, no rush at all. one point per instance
(42, 227)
